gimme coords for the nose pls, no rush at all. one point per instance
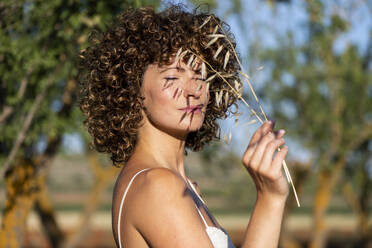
(192, 88)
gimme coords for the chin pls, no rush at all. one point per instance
(183, 129)
(192, 125)
(191, 129)
(176, 126)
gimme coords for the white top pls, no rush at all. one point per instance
(218, 237)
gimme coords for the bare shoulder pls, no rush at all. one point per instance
(159, 187)
(163, 180)
(167, 207)
(147, 183)
(152, 187)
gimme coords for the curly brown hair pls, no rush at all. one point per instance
(115, 61)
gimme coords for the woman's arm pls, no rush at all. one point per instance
(272, 188)
(264, 226)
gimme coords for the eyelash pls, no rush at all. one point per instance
(175, 78)
(170, 78)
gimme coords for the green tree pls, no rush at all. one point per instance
(324, 100)
(39, 43)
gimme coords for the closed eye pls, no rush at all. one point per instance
(171, 78)
(175, 78)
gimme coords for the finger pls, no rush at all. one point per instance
(264, 129)
(260, 132)
(248, 154)
(267, 158)
(276, 165)
(280, 133)
(259, 151)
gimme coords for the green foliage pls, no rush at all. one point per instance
(319, 95)
(205, 4)
(39, 42)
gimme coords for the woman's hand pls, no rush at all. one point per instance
(265, 167)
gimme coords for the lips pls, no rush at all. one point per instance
(192, 108)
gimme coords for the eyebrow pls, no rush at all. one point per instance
(197, 71)
(172, 68)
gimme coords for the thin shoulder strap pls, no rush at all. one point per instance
(122, 202)
(196, 192)
(205, 223)
(193, 188)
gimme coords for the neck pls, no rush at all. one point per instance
(158, 148)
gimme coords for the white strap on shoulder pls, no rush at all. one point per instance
(196, 192)
(193, 188)
(205, 223)
(122, 202)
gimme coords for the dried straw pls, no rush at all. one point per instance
(236, 89)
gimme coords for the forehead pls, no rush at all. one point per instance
(179, 65)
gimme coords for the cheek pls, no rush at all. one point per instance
(159, 101)
(163, 98)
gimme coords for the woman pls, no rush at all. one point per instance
(145, 104)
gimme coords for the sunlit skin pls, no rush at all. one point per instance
(175, 98)
(159, 210)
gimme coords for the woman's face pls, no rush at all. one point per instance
(175, 97)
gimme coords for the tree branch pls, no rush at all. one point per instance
(24, 82)
(7, 110)
(364, 134)
(22, 134)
